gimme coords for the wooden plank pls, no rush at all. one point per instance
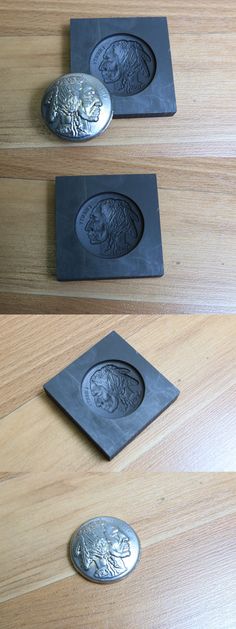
(198, 229)
(34, 348)
(14, 303)
(198, 174)
(204, 125)
(196, 433)
(48, 17)
(34, 41)
(186, 524)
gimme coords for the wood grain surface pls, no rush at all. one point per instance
(185, 579)
(197, 195)
(52, 477)
(35, 50)
(197, 433)
(198, 206)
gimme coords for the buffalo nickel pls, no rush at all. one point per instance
(104, 549)
(77, 107)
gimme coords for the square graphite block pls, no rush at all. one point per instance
(112, 393)
(131, 56)
(107, 227)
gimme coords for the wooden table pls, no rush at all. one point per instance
(185, 579)
(196, 433)
(52, 478)
(197, 195)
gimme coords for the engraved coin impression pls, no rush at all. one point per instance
(125, 63)
(77, 107)
(104, 549)
(109, 225)
(113, 389)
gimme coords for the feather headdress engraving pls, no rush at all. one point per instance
(73, 104)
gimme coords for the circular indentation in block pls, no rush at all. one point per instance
(109, 225)
(125, 64)
(113, 389)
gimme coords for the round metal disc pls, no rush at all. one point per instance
(104, 549)
(77, 107)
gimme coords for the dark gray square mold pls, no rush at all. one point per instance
(107, 227)
(112, 393)
(131, 56)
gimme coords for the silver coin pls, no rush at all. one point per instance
(109, 225)
(113, 389)
(125, 63)
(77, 107)
(104, 549)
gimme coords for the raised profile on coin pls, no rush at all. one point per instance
(104, 549)
(126, 67)
(114, 388)
(73, 104)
